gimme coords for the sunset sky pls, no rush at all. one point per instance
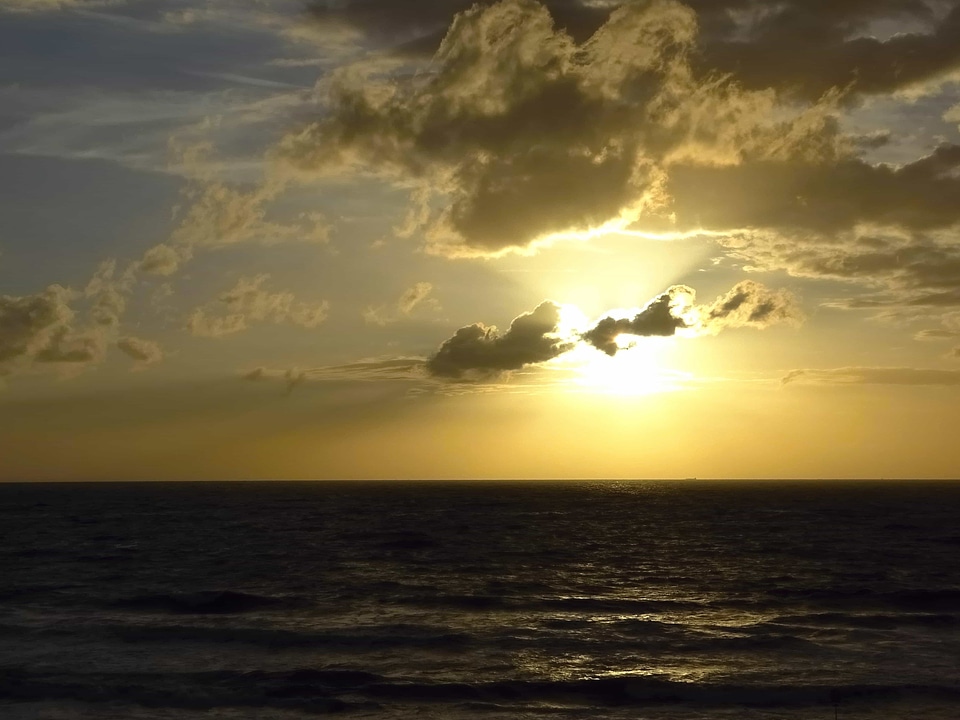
(572, 238)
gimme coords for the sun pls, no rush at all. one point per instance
(637, 369)
(634, 370)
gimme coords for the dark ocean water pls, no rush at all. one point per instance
(640, 600)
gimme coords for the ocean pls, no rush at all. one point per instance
(641, 600)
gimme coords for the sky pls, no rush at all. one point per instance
(519, 239)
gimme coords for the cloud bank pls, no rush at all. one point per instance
(517, 131)
(479, 352)
(535, 121)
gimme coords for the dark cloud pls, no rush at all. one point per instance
(904, 268)
(663, 117)
(523, 132)
(804, 48)
(885, 227)
(747, 304)
(517, 131)
(662, 317)
(795, 194)
(810, 48)
(480, 351)
(419, 24)
(875, 376)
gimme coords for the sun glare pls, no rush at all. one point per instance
(636, 369)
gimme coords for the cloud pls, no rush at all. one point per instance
(416, 27)
(109, 292)
(37, 330)
(47, 5)
(72, 348)
(794, 46)
(412, 297)
(248, 302)
(370, 370)
(293, 378)
(936, 334)
(290, 378)
(416, 296)
(218, 215)
(164, 259)
(906, 269)
(890, 228)
(949, 330)
(375, 369)
(533, 122)
(806, 49)
(43, 330)
(517, 131)
(750, 304)
(478, 351)
(393, 368)
(29, 324)
(662, 317)
(255, 375)
(816, 195)
(143, 352)
(874, 376)
(747, 304)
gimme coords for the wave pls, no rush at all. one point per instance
(312, 690)
(864, 598)
(206, 602)
(627, 635)
(620, 606)
(872, 621)
(322, 688)
(644, 691)
(360, 638)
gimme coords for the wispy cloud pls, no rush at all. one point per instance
(874, 376)
(249, 302)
